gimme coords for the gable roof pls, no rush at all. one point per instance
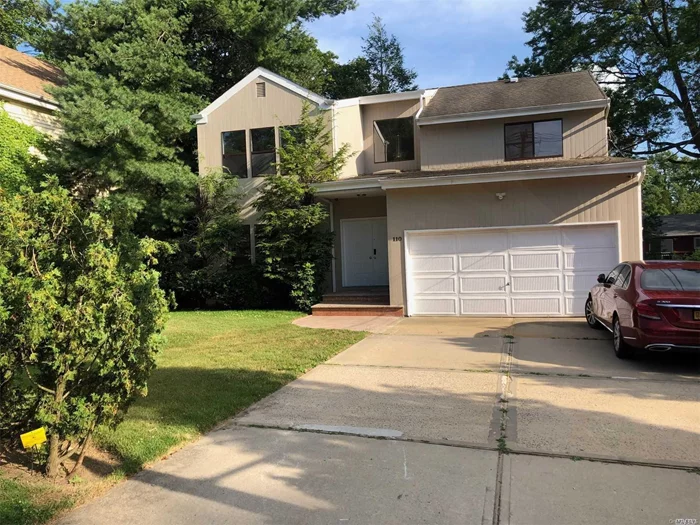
(679, 225)
(260, 72)
(550, 92)
(26, 76)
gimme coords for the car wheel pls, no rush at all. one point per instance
(590, 317)
(622, 349)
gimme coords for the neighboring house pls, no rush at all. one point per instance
(675, 235)
(494, 199)
(23, 79)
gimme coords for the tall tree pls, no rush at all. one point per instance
(384, 55)
(22, 20)
(648, 55)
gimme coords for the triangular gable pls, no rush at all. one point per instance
(261, 72)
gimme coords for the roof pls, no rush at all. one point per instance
(260, 72)
(501, 167)
(26, 74)
(679, 225)
(547, 90)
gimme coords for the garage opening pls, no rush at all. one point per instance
(509, 272)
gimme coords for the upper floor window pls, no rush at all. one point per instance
(528, 140)
(393, 140)
(234, 153)
(262, 141)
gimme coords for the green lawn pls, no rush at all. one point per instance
(214, 365)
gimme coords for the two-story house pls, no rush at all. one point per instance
(23, 79)
(492, 199)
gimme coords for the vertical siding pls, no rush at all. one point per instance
(575, 200)
(464, 144)
(372, 112)
(347, 129)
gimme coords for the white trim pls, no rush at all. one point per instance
(515, 175)
(515, 112)
(347, 185)
(25, 97)
(379, 99)
(640, 179)
(201, 117)
(342, 246)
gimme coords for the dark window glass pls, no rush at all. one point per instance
(529, 140)
(234, 158)
(612, 276)
(393, 140)
(262, 151)
(623, 277)
(671, 279)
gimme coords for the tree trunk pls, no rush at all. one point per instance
(54, 463)
(81, 457)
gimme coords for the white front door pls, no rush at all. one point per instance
(364, 247)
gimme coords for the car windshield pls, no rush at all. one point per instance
(671, 279)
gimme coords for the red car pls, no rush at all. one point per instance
(652, 305)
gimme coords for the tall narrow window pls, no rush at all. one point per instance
(262, 151)
(234, 153)
(393, 140)
(528, 140)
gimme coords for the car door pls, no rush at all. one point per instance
(606, 296)
(619, 291)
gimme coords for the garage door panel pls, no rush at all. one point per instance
(435, 305)
(535, 283)
(592, 259)
(536, 306)
(484, 306)
(575, 305)
(489, 262)
(483, 284)
(589, 237)
(534, 261)
(437, 263)
(537, 239)
(432, 244)
(439, 285)
(467, 242)
(580, 281)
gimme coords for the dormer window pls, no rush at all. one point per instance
(530, 140)
(393, 140)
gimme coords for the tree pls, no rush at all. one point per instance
(80, 318)
(647, 54)
(294, 246)
(384, 55)
(348, 80)
(22, 20)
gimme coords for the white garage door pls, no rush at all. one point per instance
(510, 272)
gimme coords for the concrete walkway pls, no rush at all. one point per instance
(484, 421)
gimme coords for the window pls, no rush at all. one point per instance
(696, 243)
(530, 140)
(667, 245)
(393, 140)
(234, 154)
(624, 277)
(612, 276)
(262, 151)
(671, 279)
(260, 89)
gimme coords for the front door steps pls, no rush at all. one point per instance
(365, 301)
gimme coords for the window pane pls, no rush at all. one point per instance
(667, 245)
(234, 158)
(623, 276)
(671, 279)
(263, 139)
(519, 141)
(393, 140)
(548, 139)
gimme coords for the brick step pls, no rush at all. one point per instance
(385, 310)
(359, 298)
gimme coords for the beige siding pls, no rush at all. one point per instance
(246, 111)
(40, 119)
(347, 129)
(356, 208)
(372, 112)
(464, 144)
(575, 200)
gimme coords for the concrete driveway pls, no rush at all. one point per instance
(436, 420)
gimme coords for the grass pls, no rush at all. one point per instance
(214, 365)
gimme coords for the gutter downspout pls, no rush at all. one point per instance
(332, 218)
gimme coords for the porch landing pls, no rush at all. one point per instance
(360, 301)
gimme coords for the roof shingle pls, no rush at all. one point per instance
(27, 73)
(545, 90)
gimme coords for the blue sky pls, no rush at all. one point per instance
(447, 42)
